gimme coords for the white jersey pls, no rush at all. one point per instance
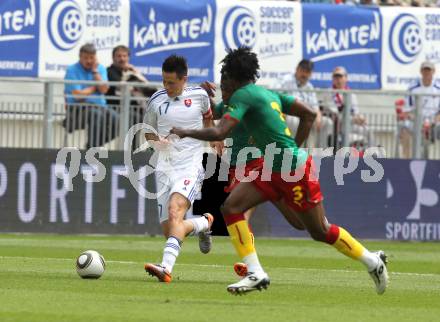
(184, 111)
(292, 87)
(430, 102)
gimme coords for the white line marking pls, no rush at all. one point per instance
(226, 266)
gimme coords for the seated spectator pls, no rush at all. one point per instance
(85, 103)
(294, 84)
(430, 105)
(121, 70)
(360, 135)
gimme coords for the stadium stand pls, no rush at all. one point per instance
(32, 117)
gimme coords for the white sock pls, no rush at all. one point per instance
(200, 224)
(252, 263)
(170, 253)
(369, 259)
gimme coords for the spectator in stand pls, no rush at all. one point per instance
(122, 70)
(360, 135)
(417, 3)
(430, 104)
(392, 3)
(85, 103)
(295, 84)
(368, 3)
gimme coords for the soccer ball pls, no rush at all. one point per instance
(90, 264)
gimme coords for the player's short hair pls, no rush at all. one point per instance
(88, 48)
(241, 64)
(175, 64)
(122, 48)
(306, 65)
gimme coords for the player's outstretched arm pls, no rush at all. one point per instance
(306, 117)
(218, 146)
(216, 133)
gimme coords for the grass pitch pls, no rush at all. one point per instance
(309, 282)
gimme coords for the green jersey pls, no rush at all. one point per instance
(261, 112)
(240, 137)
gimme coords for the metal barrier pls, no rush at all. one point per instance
(383, 126)
(33, 114)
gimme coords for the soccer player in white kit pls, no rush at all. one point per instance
(179, 172)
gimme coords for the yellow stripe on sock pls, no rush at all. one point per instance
(241, 238)
(347, 245)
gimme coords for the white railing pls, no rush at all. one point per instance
(33, 111)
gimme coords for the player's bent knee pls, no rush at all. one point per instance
(233, 206)
(297, 225)
(177, 201)
(176, 213)
(223, 209)
(318, 235)
(174, 216)
(228, 208)
(177, 207)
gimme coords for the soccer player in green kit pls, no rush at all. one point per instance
(261, 112)
(241, 157)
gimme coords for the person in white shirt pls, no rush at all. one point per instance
(179, 172)
(430, 108)
(360, 135)
(295, 84)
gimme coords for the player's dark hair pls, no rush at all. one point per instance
(306, 65)
(122, 48)
(175, 64)
(88, 48)
(241, 65)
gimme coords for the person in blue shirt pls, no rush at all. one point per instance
(86, 104)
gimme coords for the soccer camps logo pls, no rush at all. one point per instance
(240, 28)
(405, 40)
(65, 24)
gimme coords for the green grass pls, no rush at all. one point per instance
(310, 282)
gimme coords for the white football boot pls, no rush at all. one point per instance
(252, 282)
(380, 273)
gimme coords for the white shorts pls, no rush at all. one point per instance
(187, 183)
